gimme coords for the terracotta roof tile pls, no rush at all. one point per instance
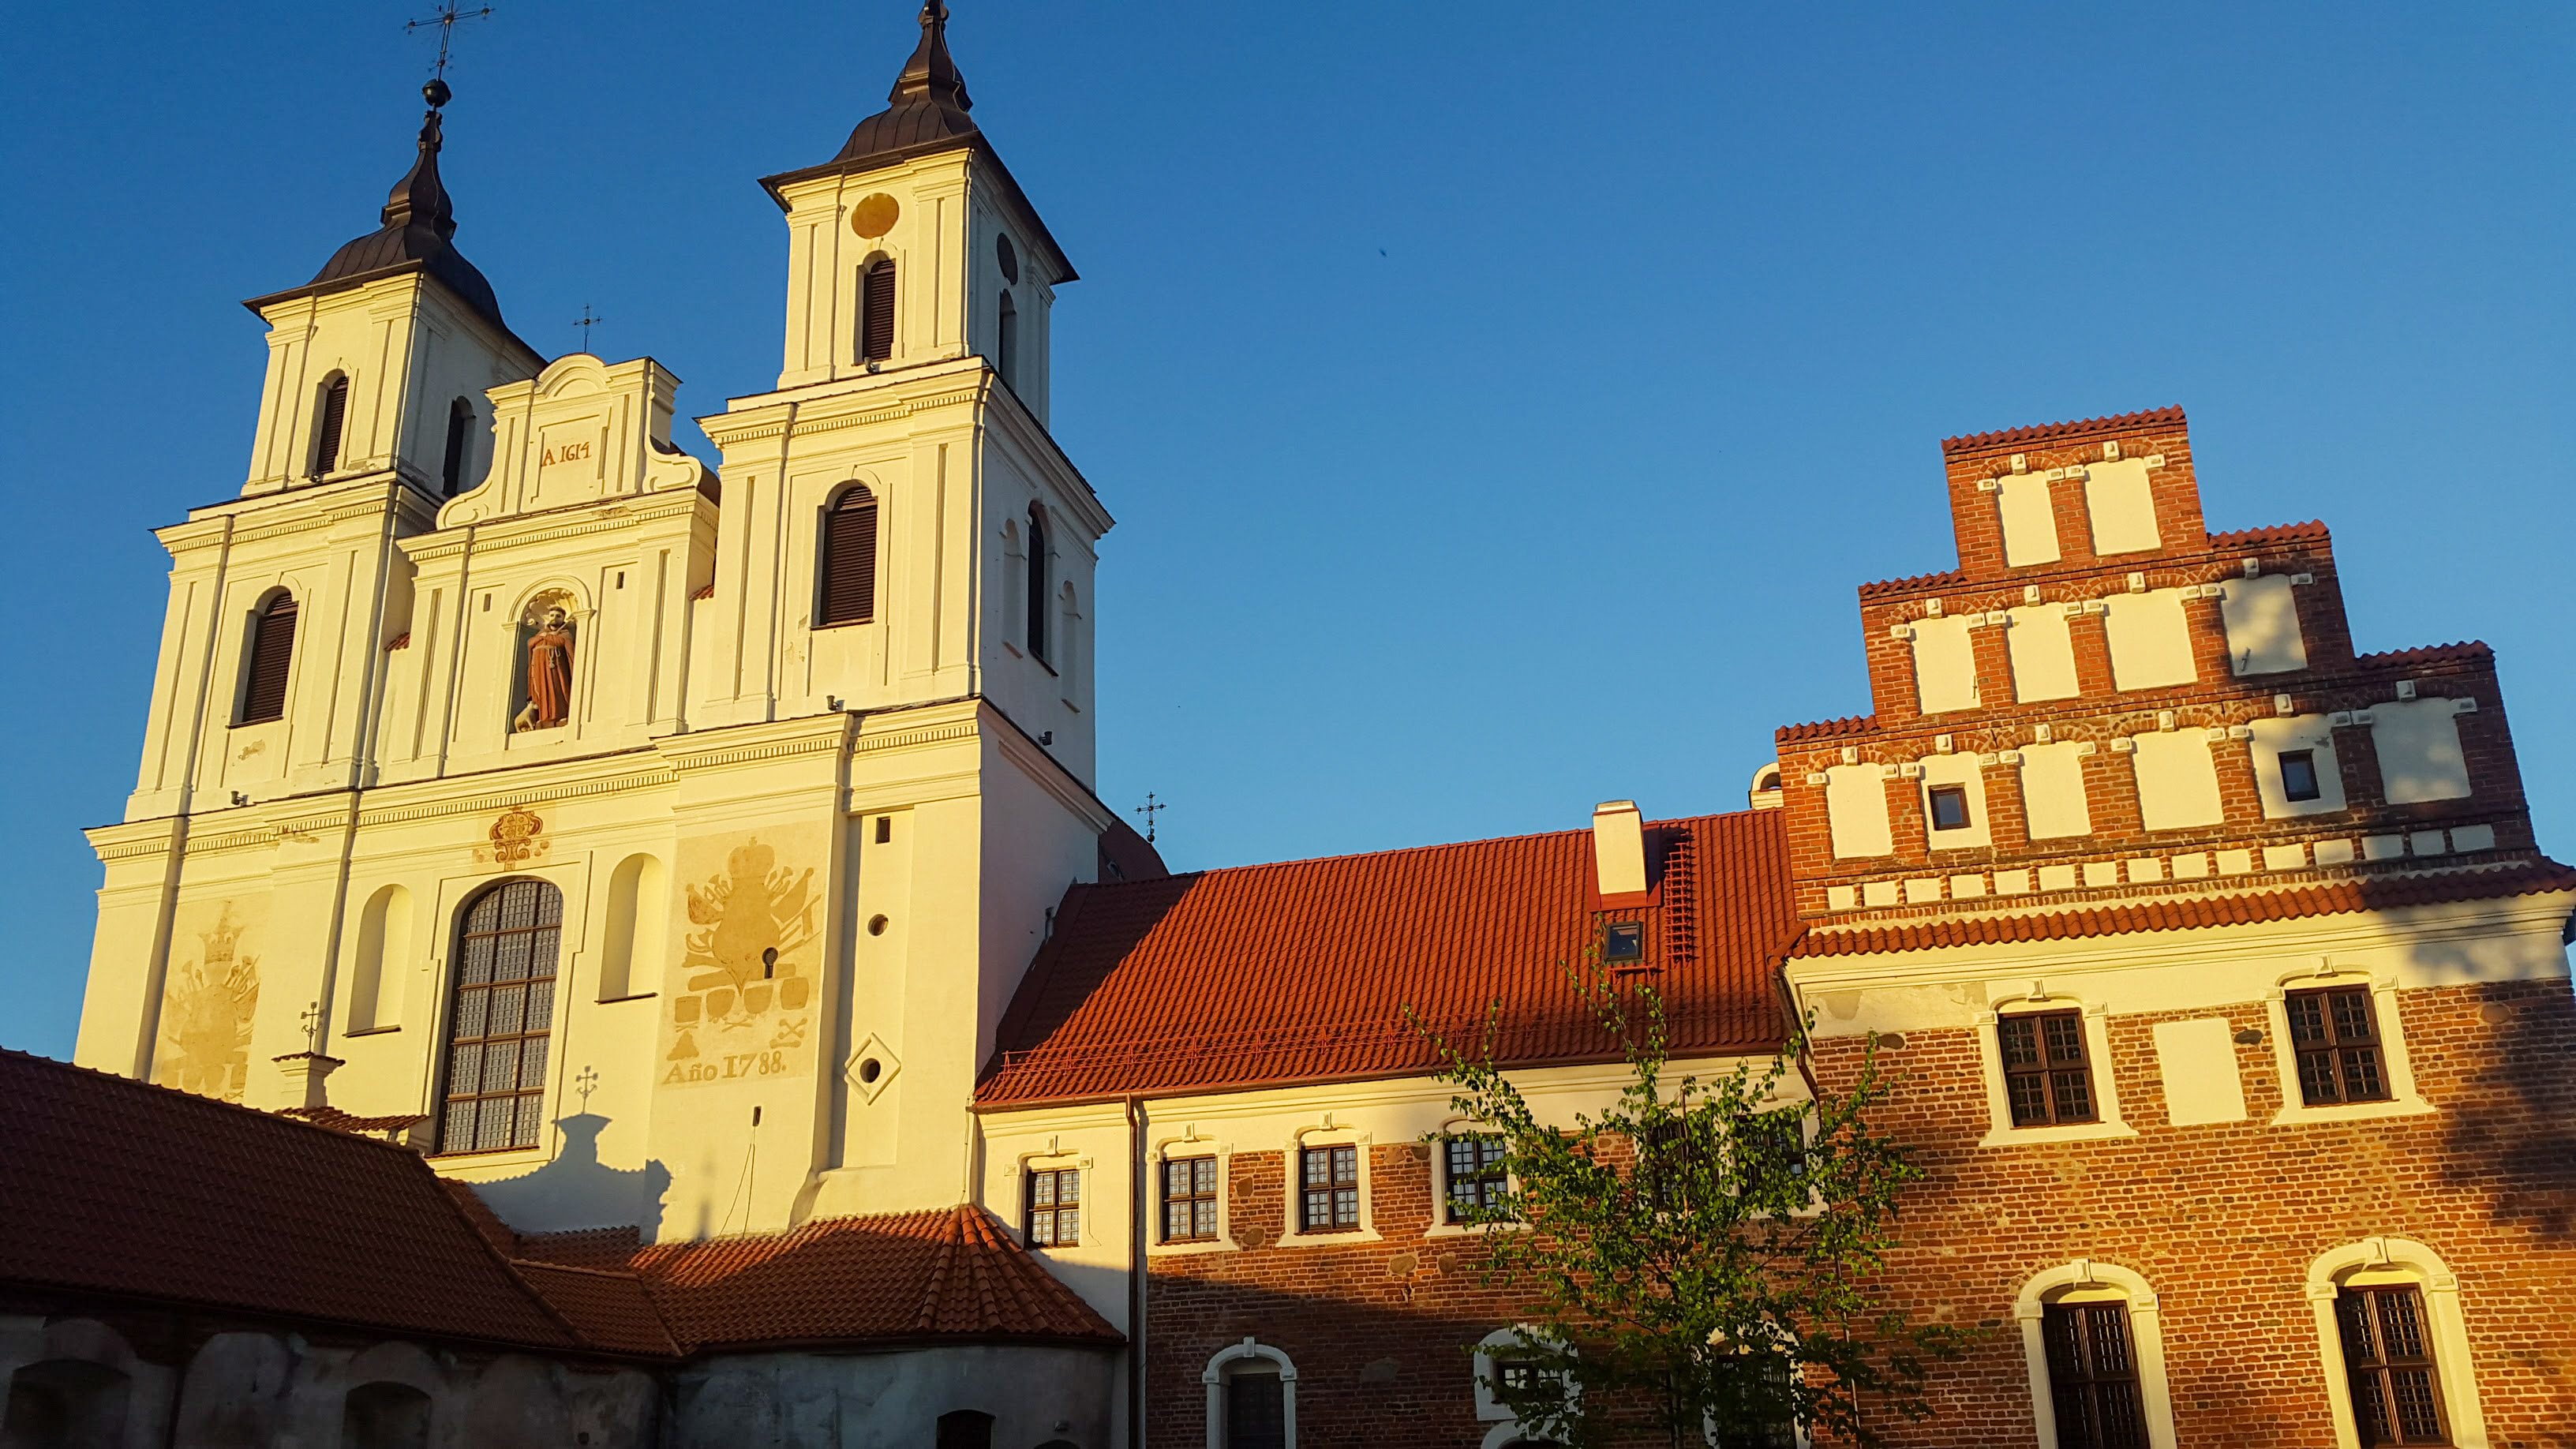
(612, 1309)
(2192, 912)
(2057, 432)
(944, 1274)
(1855, 724)
(113, 1187)
(1911, 582)
(339, 1121)
(2470, 651)
(2311, 531)
(1303, 971)
(582, 1248)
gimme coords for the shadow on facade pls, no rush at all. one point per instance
(2511, 1136)
(577, 1190)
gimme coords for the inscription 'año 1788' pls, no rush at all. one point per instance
(567, 453)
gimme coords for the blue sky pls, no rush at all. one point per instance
(1499, 403)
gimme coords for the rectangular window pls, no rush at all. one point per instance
(2336, 1036)
(1256, 1411)
(1055, 1208)
(1329, 1197)
(1623, 941)
(1189, 1200)
(2093, 1376)
(2046, 1077)
(2387, 1352)
(2299, 775)
(1476, 1176)
(1949, 807)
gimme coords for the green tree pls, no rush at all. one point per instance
(1700, 1257)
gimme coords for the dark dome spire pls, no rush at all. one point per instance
(932, 73)
(929, 104)
(419, 221)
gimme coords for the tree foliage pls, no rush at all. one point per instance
(1701, 1256)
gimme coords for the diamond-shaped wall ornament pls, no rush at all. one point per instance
(872, 1067)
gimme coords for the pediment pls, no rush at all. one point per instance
(578, 432)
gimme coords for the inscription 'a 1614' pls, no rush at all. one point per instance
(566, 453)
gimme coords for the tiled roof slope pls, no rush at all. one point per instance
(907, 1278)
(1302, 971)
(612, 1309)
(2058, 432)
(113, 1187)
(2194, 912)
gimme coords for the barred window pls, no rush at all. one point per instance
(1329, 1200)
(1189, 1200)
(2388, 1354)
(2336, 1036)
(2047, 1079)
(1055, 1208)
(501, 1017)
(1477, 1181)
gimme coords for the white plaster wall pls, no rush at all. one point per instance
(2262, 618)
(1945, 665)
(2043, 653)
(1961, 770)
(2029, 519)
(2052, 790)
(2418, 743)
(2296, 732)
(2121, 506)
(2177, 780)
(2150, 640)
(1856, 807)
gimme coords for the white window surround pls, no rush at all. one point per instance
(1213, 1377)
(1050, 1160)
(2382, 1261)
(1293, 1233)
(2000, 1132)
(1172, 1148)
(1440, 1226)
(2086, 1281)
(1506, 1429)
(2403, 1101)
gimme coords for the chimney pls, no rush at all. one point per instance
(1618, 848)
(305, 1074)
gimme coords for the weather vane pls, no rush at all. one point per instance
(1151, 808)
(587, 322)
(447, 19)
(313, 1028)
(586, 1083)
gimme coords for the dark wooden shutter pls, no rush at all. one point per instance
(876, 326)
(850, 559)
(272, 650)
(460, 417)
(1037, 583)
(335, 415)
(1006, 353)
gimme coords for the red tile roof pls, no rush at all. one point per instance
(339, 1121)
(951, 1273)
(613, 1310)
(1911, 582)
(2193, 912)
(2311, 531)
(1827, 729)
(1303, 971)
(2059, 432)
(2467, 652)
(112, 1187)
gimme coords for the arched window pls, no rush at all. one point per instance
(385, 1416)
(65, 1403)
(1036, 591)
(332, 422)
(503, 1007)
(384, 928)
(1007, 353)
(272, 652)
(460, 436)
(876, 311)
(849, 562)
(2395, 1346)
(2093, 1346)
(1251, 1397)
(965, 1429)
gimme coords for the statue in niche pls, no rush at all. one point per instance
(549, 643)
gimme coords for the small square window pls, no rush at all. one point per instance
(2299, 775)
(1623, 941)
(1949, 807)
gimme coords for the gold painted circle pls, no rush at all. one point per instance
(875, 215)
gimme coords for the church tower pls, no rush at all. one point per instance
(663, 842)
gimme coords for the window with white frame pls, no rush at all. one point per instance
(1051, 1199)
(2047, 1067)
(2093, 1345)
(2339, 1043)
(2394, 1345)
(1473, 1181)
(1515, 1364)
(1190, 1199)
(1251, 1397)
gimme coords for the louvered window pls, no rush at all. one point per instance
(2093, 1376)
(2336, 1036)
(1037, 583)
(460, 436)
(850, 559)
(876, 312)
(327, 431)
(272, 654)
(2387, 1351)
(1007, 351)
(502, 1013)
(2046, 1077)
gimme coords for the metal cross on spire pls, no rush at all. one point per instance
(587, 322)
(447, 19)
(1151, 808)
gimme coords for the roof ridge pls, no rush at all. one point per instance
(2073, 427)
(185, 1100)
(1259, 865)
